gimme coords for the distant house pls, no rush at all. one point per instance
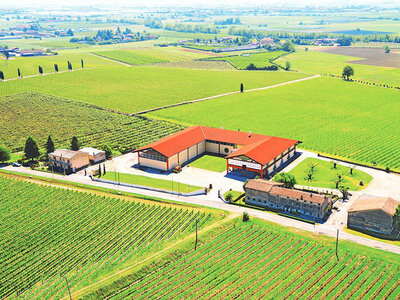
(32, 53)
(373, 214)
(95, 155)
(270, 194)
(266, 41)
(68, 160)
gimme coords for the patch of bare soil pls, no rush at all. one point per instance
(372, 56)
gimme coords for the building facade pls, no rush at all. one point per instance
(373, 214)
(273, 195)
(245, 151)
(95, 155)
(68, 160)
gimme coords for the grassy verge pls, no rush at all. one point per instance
(210, 162)
(357, 233)
(151, 182)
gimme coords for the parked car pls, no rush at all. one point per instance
(15, 164)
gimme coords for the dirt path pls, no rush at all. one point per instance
(110, 59)
(225, 94)
(80, 292)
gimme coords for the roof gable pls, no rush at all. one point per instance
(386, 204)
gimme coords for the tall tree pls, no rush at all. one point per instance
(56, 67)
(50, 145)
(1, 75)
(82, 65)
(107, 149)
(19, 73)
(31, 149)
(40, 70)
(347, 72)
(241, 88)
(288, 65)
(4, 154)
(74, 143)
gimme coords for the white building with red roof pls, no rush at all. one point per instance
(256, 153)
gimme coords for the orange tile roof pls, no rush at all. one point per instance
(262, 185)
(386, 204)
(260, 148)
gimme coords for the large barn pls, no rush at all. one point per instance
(256, 153)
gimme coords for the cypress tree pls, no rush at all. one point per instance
(1, 75)
(241, 88)
(19, 73)
(50, 145)
(99, 170)
(104, 169)
(31, 149)
(56, 67)
(40, 70)
(82, 63)
(74, 143)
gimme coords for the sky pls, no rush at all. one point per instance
(133, 3)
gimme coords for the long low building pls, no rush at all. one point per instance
(256, 153)
(68, 160)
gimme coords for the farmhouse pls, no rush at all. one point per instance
(373, 214)
(95, 155)
(68, 160)
(256, 153)
(273, 195)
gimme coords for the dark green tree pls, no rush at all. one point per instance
(287, 179)
(31, 149)
(288, 65)
(387, 49)
(107, 149)
(4, 154)
(50, 145)
(245, 217)
(229, 197)
(241, 88)
(99, 170)
(40, 70)
(56, 67)
(1, 75)
(74, 143)
(347, 72)
(82, 65)
(19, 73)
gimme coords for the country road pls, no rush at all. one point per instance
(325, 229)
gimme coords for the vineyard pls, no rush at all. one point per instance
(49, 233)
(39, 115)
(260, 60)
(130, 57)
(256, 262)
(364, 131)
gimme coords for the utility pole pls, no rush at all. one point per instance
(69, 291)
(195, 245)
(337, 242)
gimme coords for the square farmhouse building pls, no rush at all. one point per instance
(95, 155)
(256, 153)
(270, 194)
(373, 214)
(69, 160)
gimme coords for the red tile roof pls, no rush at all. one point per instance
(260, 148)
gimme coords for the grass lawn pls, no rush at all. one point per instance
(325, 175)
(235, 194)
(355, 232)
(258, 59)
(130, 57)
(152, 182)
(135, 89)
(210, 162)
(330, 116)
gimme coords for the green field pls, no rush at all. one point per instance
(151, 182)
(259, 260)
(258, 59)
(325, 175)
(315, 62)
(331, 116)
(130, 57)
(40, 115)
(49, 233)
(210, 162)
(140, 88)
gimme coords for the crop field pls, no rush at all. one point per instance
(198, 64)
(365, 131)
(326, 176)
(39, 115)
(30, 65)
(140, 88)
(258, 59)
(130, 57)
(255, 261)
(314, 62)
(49, 233)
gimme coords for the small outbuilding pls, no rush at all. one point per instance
(95, 155)
(373, 214)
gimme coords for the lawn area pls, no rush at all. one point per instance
(314, 112)
(355, 232)
(325, 175)
(151, 182)
(135, 89)
(130, 57)
(235, 194)
(315, 62)
(210, 162)
(258, 59)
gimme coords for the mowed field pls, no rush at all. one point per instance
(315, 62)
(258, 260)
(258, 59)
(49, 233)
(40, 115)
(332, 116)
(136, 89)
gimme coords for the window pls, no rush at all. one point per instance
(151, 154)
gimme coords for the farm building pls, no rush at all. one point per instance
(273, 195)
(245, 151)
(68, 160)
(95, 155)
(373, 214)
